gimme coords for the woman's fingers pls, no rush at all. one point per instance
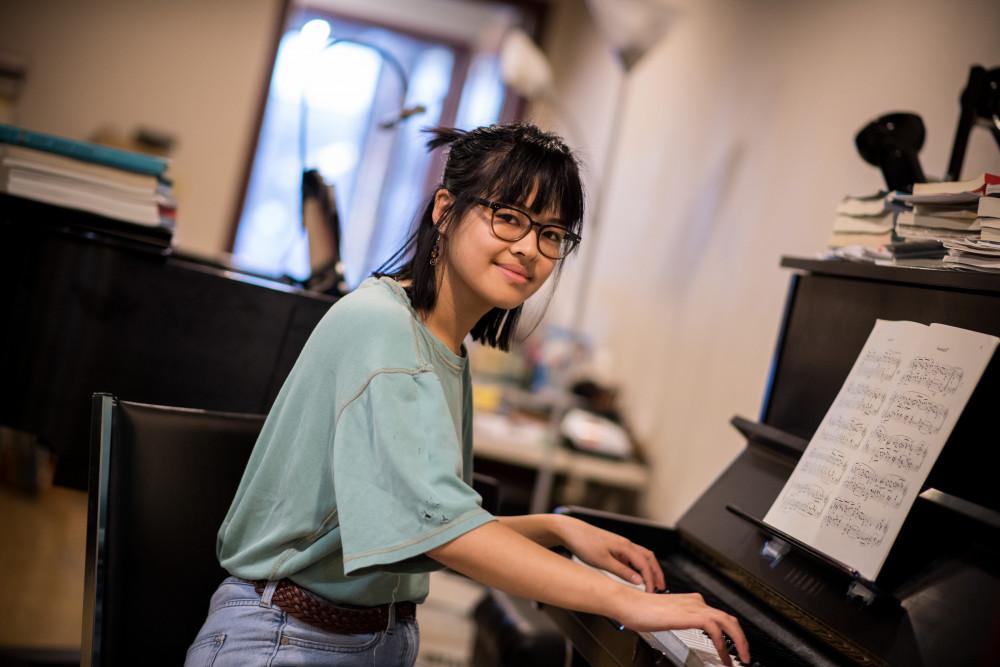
(718, 622)
(731, 626)
(623, 571)
(717, 625)
(660, 584)
(631, 554)
(711, 628)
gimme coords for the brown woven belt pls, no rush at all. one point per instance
(306, 606)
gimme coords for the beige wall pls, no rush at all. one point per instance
(193, 68)
(736, 144)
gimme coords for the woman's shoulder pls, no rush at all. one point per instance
(378, 301)
(375, 317)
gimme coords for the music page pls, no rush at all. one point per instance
(863, 468)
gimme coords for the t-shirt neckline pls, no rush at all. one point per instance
(439, 345)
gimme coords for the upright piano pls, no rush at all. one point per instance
(87, 307)
(936, 601)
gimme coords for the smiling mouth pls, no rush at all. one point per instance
(513, 275)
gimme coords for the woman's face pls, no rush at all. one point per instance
(497, 273)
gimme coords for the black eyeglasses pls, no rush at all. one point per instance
(510, 223)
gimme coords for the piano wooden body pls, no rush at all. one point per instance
(937, 599)
(87, 311)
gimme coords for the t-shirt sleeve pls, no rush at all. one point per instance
(397, 468)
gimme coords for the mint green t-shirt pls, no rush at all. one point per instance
(364, 462)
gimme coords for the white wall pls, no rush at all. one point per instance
(193, 68)
(735, 146)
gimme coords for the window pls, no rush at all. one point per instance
(323, 111)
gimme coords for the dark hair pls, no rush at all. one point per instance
(499, 162)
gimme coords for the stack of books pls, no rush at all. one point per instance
(127, 193)
(944, 211)
(865, 221)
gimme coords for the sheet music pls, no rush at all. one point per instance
(863, 468)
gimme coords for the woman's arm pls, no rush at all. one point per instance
(541, 529)
(498, 556)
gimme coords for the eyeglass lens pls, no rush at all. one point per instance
(512, 225)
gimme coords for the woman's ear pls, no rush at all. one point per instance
(443, 200)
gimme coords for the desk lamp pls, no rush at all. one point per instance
(891, 143)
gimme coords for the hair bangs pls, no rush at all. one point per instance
(553, 179)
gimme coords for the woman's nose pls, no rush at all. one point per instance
(527, 245)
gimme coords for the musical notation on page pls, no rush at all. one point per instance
(863, 468)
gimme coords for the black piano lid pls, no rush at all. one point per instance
(944, 568)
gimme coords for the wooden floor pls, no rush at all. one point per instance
(41, 568)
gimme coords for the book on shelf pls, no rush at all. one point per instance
(83, 150)
(863, 468)
(952, 220)
(950, 192)
(988, 207)
(111, 192)
(38, 160)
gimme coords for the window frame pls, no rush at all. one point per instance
(534, 13)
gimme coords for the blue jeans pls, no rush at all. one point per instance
(244, 630)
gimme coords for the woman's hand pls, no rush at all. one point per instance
(650, 613)
(607, 551)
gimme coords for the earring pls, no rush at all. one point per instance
(436, 251)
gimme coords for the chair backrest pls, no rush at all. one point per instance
(161, 482)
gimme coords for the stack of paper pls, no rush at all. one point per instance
(973, 255)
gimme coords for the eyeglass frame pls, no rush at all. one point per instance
(494, 206)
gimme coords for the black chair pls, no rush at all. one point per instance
(161, 481)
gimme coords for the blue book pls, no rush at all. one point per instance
(82, 150)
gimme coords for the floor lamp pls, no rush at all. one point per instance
(632, 28)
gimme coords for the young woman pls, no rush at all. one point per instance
(359, 484)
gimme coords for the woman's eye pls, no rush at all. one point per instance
(554, 235)
(508, 219)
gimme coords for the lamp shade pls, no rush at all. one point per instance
(523, 66)
(632, 27)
